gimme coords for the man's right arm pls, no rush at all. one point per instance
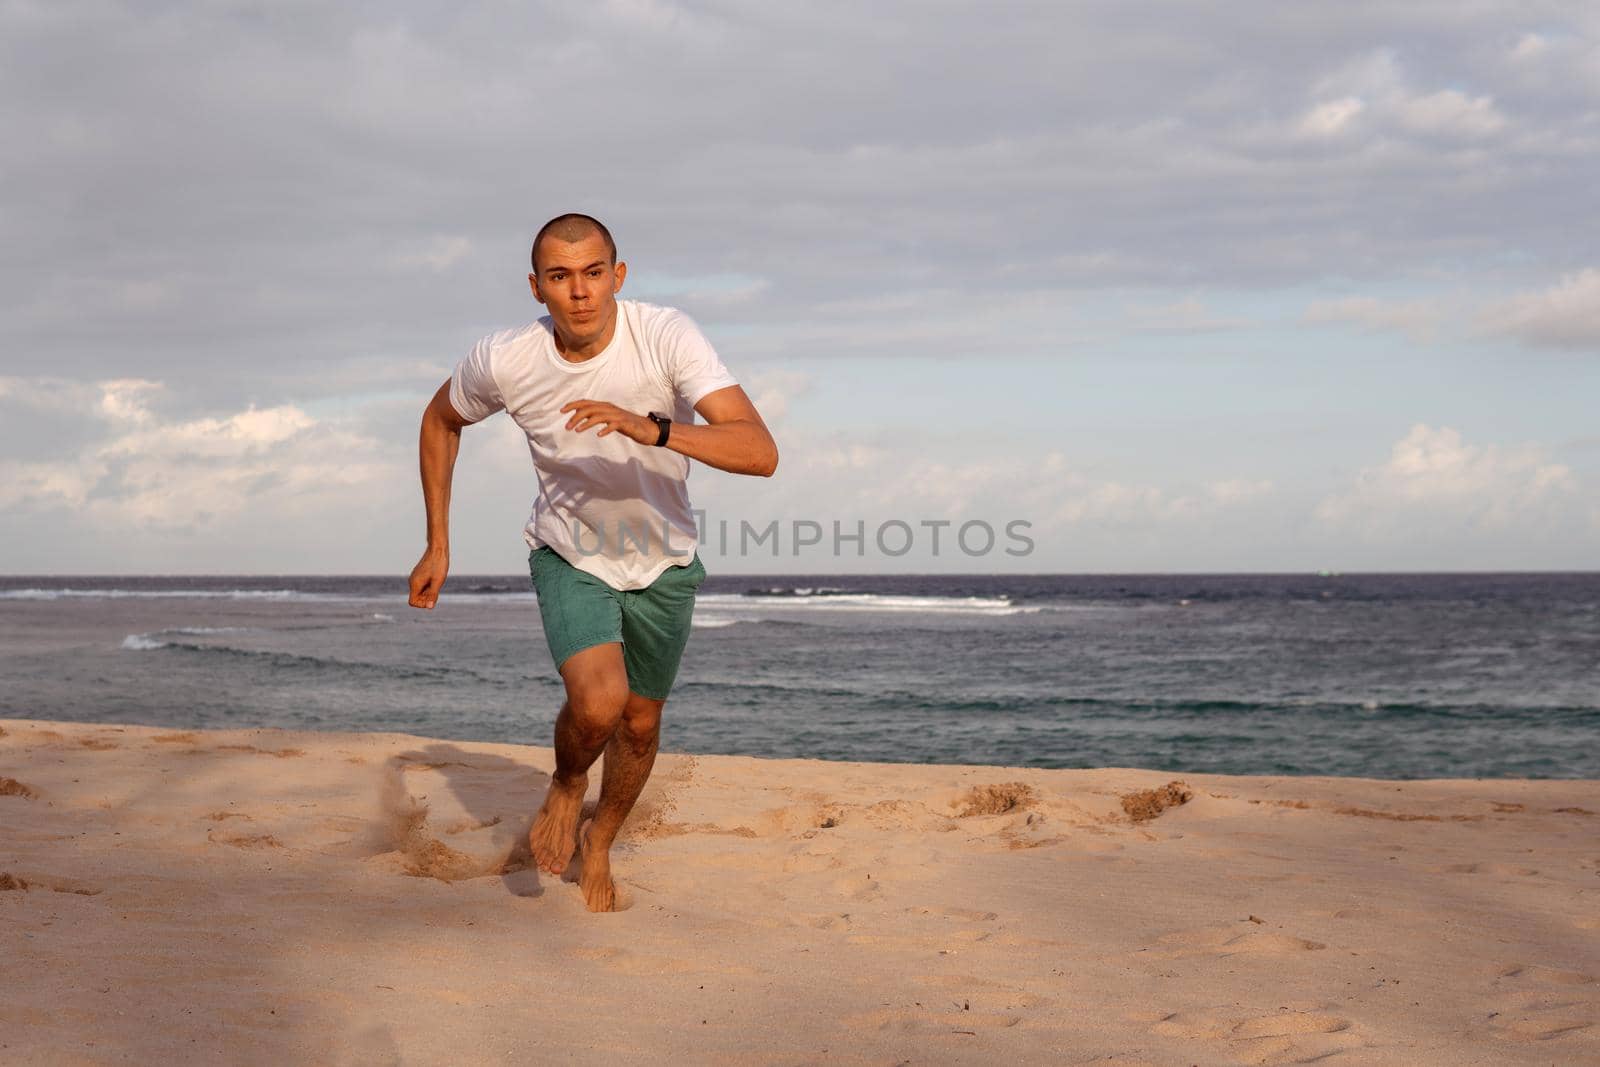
(439, 442)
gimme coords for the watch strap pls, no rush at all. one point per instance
(664, 424)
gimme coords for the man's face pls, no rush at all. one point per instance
(579, 284)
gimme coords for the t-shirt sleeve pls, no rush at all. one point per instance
(473, 391)
(695, 367)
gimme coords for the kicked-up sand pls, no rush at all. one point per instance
(257, 896)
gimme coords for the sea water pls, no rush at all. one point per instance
(1391, 676)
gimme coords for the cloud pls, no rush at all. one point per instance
(144, 472)
(1081, 498)
(119, 399)
(1562, 61)
(1232, 490)
(1530, 47)
(1378, 87)
(1188, 315)
(1567, 315)
(771, 391)
(44, 484)
(439, 254)
(826, 478)
(1434, 482)
(722, 297)
(1331, 117)
(1452, 112)
(291, 194)
(1417, 319)
(310, 213)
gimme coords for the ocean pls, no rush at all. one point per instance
(1374, 675)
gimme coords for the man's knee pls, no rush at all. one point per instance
(597, 708)
(641, 719)
(596, 675)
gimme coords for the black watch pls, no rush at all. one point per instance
(664, 424)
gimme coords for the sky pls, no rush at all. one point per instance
(1099, 287)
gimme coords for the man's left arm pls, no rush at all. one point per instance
(733, 438)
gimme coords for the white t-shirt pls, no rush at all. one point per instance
(608, 505)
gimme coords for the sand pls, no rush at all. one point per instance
(267, 897)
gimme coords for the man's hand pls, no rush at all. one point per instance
(733, 439)
(427, 577)
(588, 413)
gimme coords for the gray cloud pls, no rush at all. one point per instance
(1565, 316)
(261, 189)
(317, 208)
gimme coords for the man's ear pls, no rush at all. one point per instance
(533, 283)
(621, 272)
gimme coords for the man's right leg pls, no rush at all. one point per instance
(597, 692)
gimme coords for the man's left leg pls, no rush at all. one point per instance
(629, 757)
(655, 628)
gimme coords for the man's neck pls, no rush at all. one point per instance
(585, 350)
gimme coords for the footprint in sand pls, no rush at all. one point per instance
(245, 841)
(1146, 804)
(657, 830)
(281, 753)
(797, 819)
(1540, 1018)
(858, 887)
(966, 915)
(621, 960)
(969, 987)
(1537, 1003)
(933, 1017)
(994, 799)
(175, 739)
(1292, 1034)
(813, 819)
(10, 787)
(1229, 940)
(805, 862)
(1504, 870)
(1546, 975)
(16, 884)
(904, 815)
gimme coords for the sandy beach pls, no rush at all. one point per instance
(261, 896)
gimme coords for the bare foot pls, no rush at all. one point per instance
(554, 834)
(599, 892)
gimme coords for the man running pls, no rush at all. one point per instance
(612, 538)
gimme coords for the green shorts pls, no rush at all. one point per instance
(580, 611)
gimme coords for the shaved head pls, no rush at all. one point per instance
(570, 229)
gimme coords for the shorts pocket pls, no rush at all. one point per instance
(680, 579)
(539, 561)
